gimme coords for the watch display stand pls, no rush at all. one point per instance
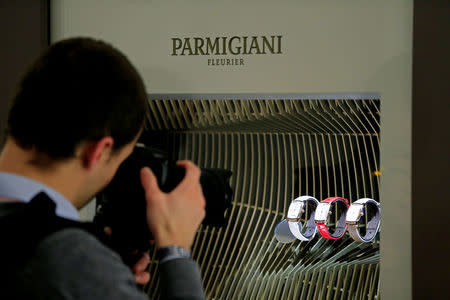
(278, 146)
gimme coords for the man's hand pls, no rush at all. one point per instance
(140, 269)
(174, 217)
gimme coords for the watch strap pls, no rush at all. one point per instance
(372, 225)
(341, 225)
(168, 253)
(282, 232)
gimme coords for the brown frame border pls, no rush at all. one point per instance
(24, 33)
(430, 149)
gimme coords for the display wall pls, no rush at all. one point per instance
(321, 47)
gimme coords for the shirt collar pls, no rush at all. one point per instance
(24, 189)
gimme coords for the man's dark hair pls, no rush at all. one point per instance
(79, 89)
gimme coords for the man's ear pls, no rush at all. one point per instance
(95, 151)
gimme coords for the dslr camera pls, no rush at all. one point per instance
(122, 206)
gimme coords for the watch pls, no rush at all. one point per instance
(359, 208)
(323, 210)
(171, 252)
(296, 209)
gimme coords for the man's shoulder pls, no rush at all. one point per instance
(75, 247)
(73, 241)
(73, 262)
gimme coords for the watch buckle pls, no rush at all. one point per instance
(321, 221)
(295, 220)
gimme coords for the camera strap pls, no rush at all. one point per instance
(24, 225)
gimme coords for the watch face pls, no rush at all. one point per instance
(322, 212)
(294, 210)
(353, 213)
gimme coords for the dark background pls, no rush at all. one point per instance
(430, 150)
(24, 32)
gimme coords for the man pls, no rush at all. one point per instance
(76, 116)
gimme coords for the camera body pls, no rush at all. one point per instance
(122, 206)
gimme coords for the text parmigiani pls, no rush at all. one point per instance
(224, 45)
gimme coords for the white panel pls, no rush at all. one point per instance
(329, 46)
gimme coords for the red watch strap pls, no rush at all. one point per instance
(324, 231)
(332, 199)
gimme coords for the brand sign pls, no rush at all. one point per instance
(227, 50)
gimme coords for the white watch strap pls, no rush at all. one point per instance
(296, 229)
(283, 233)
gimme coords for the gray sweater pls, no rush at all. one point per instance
(73, 264)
